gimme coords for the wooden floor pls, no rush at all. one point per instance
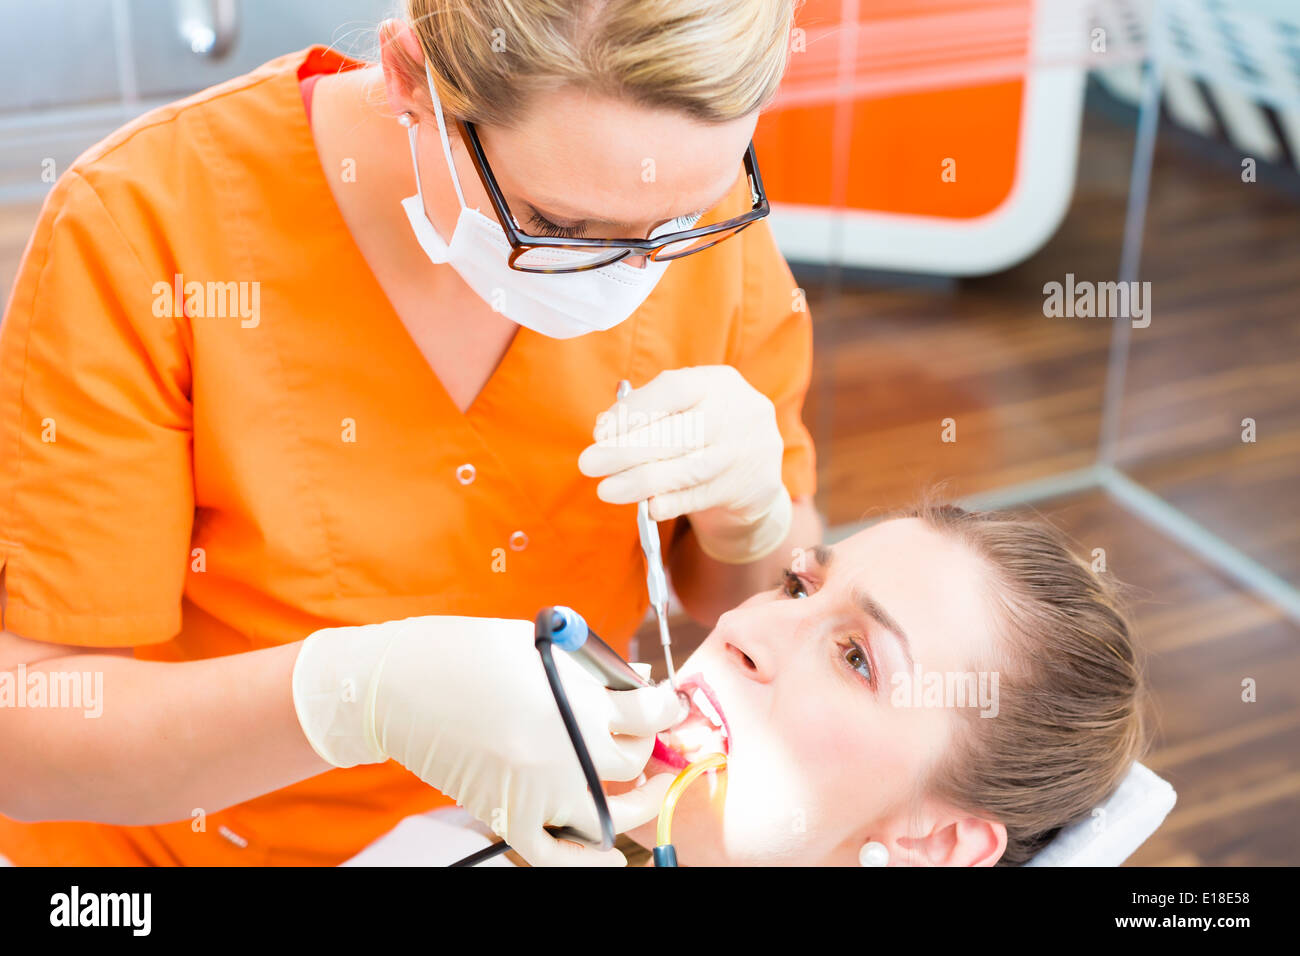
(896, 358)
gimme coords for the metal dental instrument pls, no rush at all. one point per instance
(656, 582)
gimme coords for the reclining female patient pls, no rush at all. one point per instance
(836, 739)
(832, 742)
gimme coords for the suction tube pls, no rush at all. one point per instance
(665, 854)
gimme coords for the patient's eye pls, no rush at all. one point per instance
(852, 653)
(857, 660)
(792, 585)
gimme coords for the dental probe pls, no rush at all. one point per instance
(656, 581)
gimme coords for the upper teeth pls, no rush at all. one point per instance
(706, 707)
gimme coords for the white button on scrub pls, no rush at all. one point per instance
(518, 541)
(465, 474)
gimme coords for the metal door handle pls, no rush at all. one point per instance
(209, 27)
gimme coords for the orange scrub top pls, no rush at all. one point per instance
(276, 456)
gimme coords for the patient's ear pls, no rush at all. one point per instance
(954, 839)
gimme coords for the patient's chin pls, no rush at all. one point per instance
(715, 827)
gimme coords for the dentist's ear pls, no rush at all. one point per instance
(402, 61)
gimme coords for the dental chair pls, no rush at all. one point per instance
(1110, 836)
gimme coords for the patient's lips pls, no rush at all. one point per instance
(704, 731)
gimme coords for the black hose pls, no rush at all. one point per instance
(579, 745)
(487, 853)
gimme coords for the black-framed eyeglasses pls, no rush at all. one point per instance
(554, 254)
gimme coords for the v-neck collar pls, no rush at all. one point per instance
(321, 60)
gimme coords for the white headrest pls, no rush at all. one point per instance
(1116, 828)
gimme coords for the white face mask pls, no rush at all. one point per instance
(559, 305)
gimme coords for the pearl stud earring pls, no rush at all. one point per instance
(406, 119)
(873, 854)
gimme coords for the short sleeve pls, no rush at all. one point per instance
(774, 351)
(96, 479)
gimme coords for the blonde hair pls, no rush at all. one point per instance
(1072, 687)
(715, 60)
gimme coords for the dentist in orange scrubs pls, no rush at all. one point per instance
(307, 407)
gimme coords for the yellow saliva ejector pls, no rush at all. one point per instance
(664, 852)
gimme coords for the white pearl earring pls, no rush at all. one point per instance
(873, 854)
(406, 119)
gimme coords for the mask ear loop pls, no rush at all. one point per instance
(408, 120)
(442, 133)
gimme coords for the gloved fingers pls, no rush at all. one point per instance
(621, 758)
(645, 711)
(693, 428)
(641, 805)
(720, 492)
(629, 757)
(626, 810)
(598, 461)
(683, 473)
(539, 848)
(580, 820)
(600, 712)
(674, 504)
(671, 391)
(698, 471)
(668, 437)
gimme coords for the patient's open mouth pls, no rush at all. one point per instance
(704, 731)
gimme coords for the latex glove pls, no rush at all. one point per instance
(701, 442)
(464, 704)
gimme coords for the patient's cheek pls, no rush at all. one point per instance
(831, 748)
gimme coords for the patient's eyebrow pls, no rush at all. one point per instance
(823, 555)
(883, 618)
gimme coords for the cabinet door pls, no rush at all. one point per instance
(164, 33)
(83, 53)
(57, 52)
(75, 70)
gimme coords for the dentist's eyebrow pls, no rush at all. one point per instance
(823, 555)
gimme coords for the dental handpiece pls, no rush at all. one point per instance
(570, 633)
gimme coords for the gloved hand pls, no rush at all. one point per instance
(701, 442)
(464, 704)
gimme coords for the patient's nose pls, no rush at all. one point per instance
(751, 642)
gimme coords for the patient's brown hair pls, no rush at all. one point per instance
(1072, 687)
